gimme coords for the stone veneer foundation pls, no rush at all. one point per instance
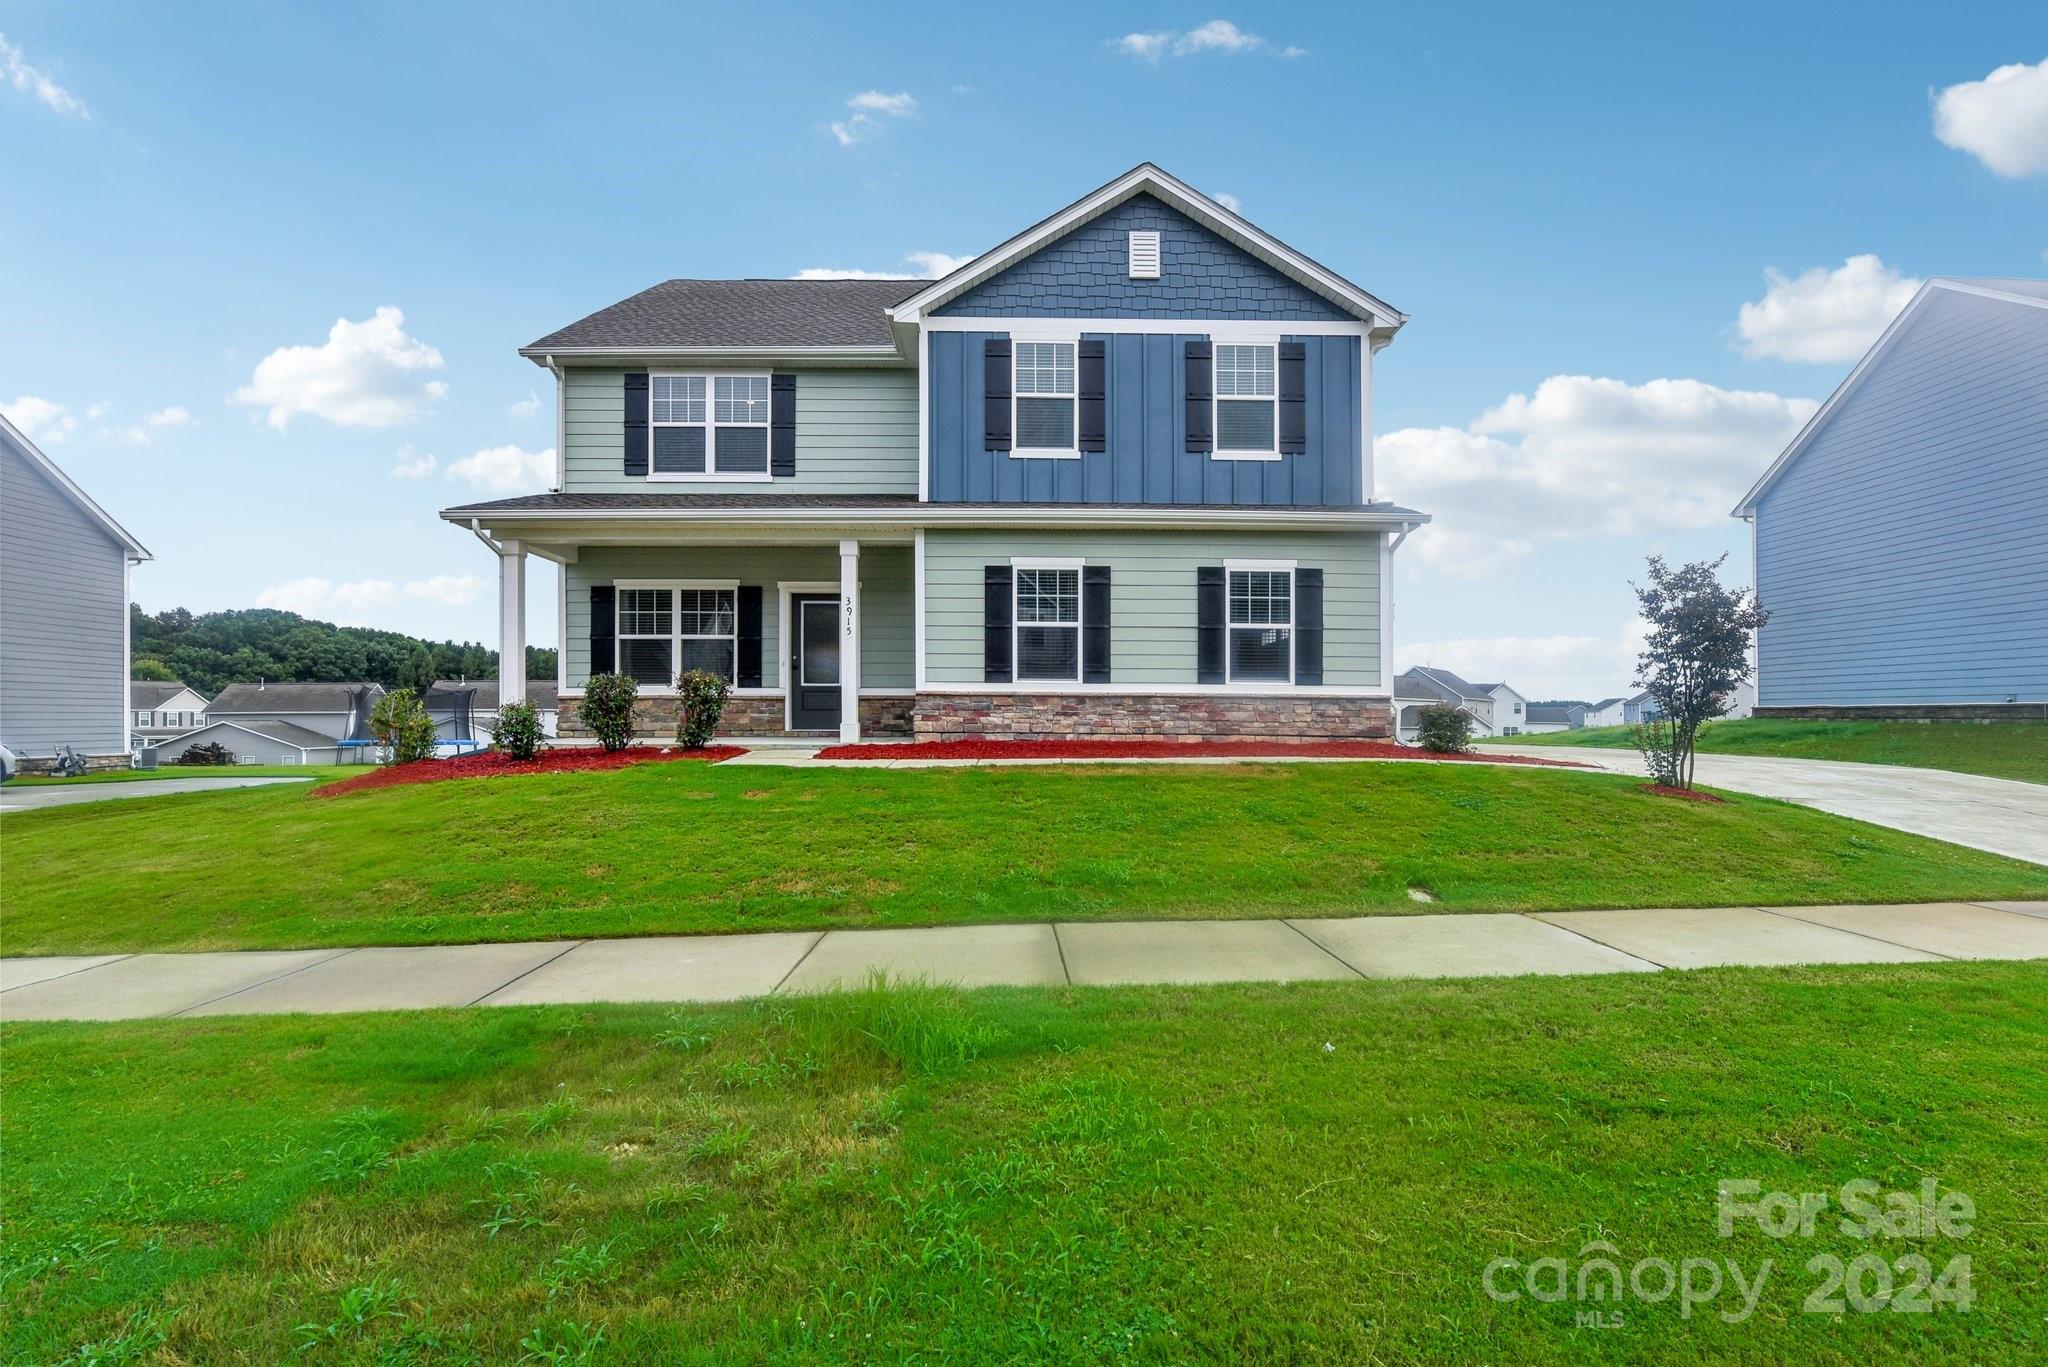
(654, 718)
(1149, 716)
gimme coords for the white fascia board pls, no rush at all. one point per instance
(908, 519)
(1147, 178)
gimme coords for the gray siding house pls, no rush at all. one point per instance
(1112, 477)
(163, 710)
(1902, 538)
(64, 568)
(286, 723)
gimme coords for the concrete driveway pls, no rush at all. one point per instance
(1994, 814)
(19, 797)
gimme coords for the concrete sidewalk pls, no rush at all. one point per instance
(18, 797)
(703, 968)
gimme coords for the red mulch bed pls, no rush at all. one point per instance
(1689, 794)
(491, 764)
(1164, 749)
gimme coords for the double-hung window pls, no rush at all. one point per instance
(1044, 397)
(1246, 387)
(666, 631)
(647, 628)
(705, 624)
(708, 426)
(1262, 625)
(1048, 622)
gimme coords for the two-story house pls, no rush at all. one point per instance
(1110, 478)
(163, 710)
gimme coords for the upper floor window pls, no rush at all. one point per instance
(1044, 397)
(1246, 388)
(708, 426)
(1048, 619)
(1262, 626)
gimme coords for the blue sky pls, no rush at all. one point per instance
(1575, 208)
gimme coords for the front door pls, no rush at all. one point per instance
(813, 662)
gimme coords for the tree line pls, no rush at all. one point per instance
(211, 650)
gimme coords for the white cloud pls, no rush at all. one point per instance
(2001, 120)
(921, 265)
(367, 374)
(1586, 667)
(412, 465)
(1582, 457)
(1229, 201)
(43, 421)
(155, 424)
(15, 68)
(354, 602)
(872, 109)
(1217, 36)
(506, 469)
(526, 407)
(1824, 315)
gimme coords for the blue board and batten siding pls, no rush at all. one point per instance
(1085, 274)
(1903, 554)
(1147, 460)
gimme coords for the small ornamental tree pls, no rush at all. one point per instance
(401, 724)
(518, 731)
(703, 696)
(1695, 656)
(608, 709)
(1444, 729)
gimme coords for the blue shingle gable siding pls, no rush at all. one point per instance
(1085, 275)
(1146, 460)
(1904, 553)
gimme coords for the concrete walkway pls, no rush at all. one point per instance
(16, 797)
(2000, 815)
(703, 968)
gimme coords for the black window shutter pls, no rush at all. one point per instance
(995, 624)
(1308, 626)
(1201, 388)
(782, 426)
(636, 424)
(995, 386)
(1211, 610)
(604, 630)
(1293, 398)
(1092, 384)
(1095, 624)
(747, 669)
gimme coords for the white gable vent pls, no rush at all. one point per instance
(1145, 256)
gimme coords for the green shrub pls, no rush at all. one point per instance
(400, 723)
(703, 694)
(518, 731)
(213, 752)
(608, 709)
(1444, 729)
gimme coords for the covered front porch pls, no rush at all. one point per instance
(815, 628)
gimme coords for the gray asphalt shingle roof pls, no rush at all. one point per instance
(274, 698)
(753, 313)
(1549, 716)
(148, 694)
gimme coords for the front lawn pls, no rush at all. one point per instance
(1311, 1173)
(2003, 749)
(666, 848)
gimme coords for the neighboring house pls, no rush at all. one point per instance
(1510, 708)
(465, 713)
(1544, 717)
(1111, 478)
(64, 570)
(1425, 685)
(1641, 708)
(1607, 712)
(1901, 540)
(162, 710)
(286, 723)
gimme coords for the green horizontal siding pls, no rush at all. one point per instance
(887, 628)
(856, 433)
(1152, 596)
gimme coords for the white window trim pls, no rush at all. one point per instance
(1018, 451)
(711, 474)
(675, 625)
(1231, 567)
(1017, 623)
(1217, 398)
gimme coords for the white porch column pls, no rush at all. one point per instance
(511, 622)
(849, 641)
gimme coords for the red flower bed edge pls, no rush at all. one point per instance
(1166, 749)
(492, 764)
(1689, 794)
